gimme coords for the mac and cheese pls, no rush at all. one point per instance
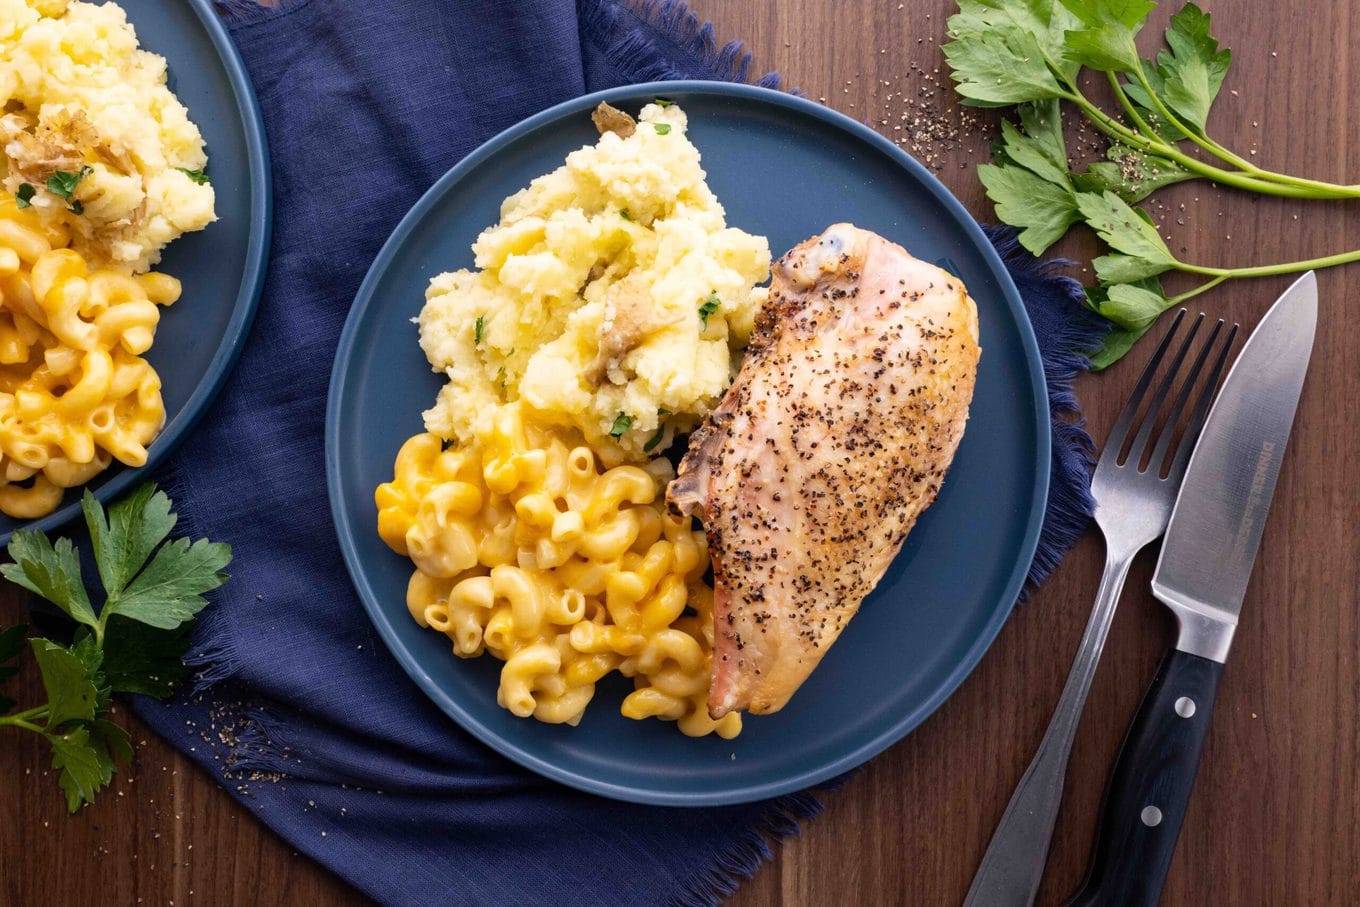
(75, 393)
(527, 548)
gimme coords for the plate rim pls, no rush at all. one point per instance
(345, 531)
(234, 339)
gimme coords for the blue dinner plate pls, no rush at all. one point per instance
(786, 168)
(221, 267)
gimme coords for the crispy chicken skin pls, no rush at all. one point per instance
(834, 437)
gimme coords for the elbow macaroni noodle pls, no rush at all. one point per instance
(525, 547)
(75, 393)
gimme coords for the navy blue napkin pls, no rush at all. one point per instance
(301, 712)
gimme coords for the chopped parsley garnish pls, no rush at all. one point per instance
(622, 422)
(25, 194)
(198, 176)
(709, 306)
(480, 329)
(63, 182)
(662, 128)
(660, 432)
(662, 102)
(77, 207)
(623, 213)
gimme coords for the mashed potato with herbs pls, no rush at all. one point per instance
(612, 297)
(91, 134)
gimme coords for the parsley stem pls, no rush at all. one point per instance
(1172, 120)
(16, 721)
(1324, 190)
(1317, 188)
(35, 712)
(1295, 188)
(1288, 267)
(1129, 110)
(1189, 294)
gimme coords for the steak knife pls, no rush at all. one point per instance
(1201, 576)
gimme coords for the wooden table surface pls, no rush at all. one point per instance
(1275, 817)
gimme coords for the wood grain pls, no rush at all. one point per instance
(1275, 817)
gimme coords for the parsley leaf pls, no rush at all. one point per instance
(170, 590)
(25, 194)
(1131, 175)
(167, 591)
(1104, 40)
(52, 572)
(1126, 230)
(198, 176)
(708, 306)
(1043, 210)
(143, 659)
(1116, 343)
(478, 330)
(622, 422)
(125, 539)
(111, 744)
(623, 213)
(81, 774)
(1040, 148)
(1193, 70)
(662, 128)
(71, 693)
(87, 651)
(1132, 307)
(63, 182)
(997, 51)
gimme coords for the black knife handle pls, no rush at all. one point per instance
(1147, 795)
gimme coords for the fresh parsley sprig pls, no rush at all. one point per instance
(1030, 55)
(1003, 54)
(133, 643)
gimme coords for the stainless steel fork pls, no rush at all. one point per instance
(1133, 505)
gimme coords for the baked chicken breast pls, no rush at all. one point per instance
(833, 438)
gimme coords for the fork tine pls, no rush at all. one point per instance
(1182, 397)
(1115, 440)
(1201, 411)
(1140, 440)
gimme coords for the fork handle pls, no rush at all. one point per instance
(1011, 869)
(1150, 787)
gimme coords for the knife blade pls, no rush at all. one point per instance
(1202, 573)
(1215, 528)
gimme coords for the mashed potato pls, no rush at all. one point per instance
(611, 297)
(80, 94)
